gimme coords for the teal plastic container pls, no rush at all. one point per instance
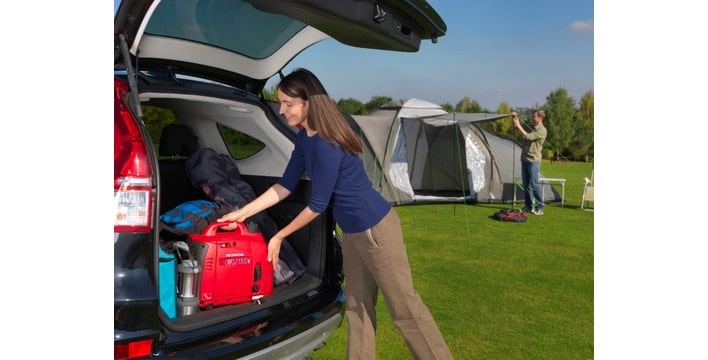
(168, 287)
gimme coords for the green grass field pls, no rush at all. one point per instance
(499, 290)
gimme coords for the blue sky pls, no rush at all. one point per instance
(516, 51)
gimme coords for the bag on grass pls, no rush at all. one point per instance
(512, 215)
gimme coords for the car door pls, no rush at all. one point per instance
(243, 43)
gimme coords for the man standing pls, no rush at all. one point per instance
(531, 160)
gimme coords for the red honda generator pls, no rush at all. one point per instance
(234, 265)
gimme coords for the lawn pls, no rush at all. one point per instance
(499, 290)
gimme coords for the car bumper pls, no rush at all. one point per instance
(298, 347)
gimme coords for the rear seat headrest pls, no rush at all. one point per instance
(178, 140)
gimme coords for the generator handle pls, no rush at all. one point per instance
(212, 228)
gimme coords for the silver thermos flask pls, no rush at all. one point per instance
(188, 297)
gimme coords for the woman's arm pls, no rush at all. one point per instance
(270, 197)
(303, 218)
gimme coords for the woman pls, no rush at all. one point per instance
(372, 243)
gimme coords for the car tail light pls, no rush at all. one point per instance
(133, 349)
(132, 187)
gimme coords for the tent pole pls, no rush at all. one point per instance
(513, 176)
(462, 162)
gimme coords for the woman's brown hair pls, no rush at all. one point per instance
(323, 115)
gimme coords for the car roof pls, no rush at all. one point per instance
(243, 43)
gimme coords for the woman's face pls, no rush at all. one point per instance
(293, 109)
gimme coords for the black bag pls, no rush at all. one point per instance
(220, 179)
(511, 215)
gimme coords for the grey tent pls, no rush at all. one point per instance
(415, 152)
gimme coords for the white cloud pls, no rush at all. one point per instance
(587, 26)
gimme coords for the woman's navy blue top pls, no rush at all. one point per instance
(338, 179)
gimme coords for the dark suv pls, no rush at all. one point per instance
(191, 74)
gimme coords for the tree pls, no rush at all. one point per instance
(467, 105)
(351, 106)
(447, 107)
(270, 94)
(560, 121)
(503, 127)
(376, 102)
(585, 132)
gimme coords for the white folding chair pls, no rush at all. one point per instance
(589, 192)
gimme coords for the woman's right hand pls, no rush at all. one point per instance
(232, 217)
(230, 227)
